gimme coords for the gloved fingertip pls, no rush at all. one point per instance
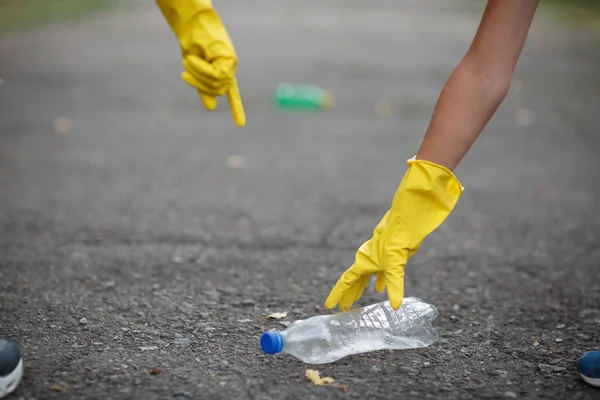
(395, 303)
(329, 305)
(209, 102)
(240, 122)
(331, 301)
(235, 102)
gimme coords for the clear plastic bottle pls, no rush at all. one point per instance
(326, 338)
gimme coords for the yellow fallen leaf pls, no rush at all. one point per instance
(62, 125)
(236, 162)
(277, 315)
(58, 388)
(316, 379)
(524, 117)
(383, 107)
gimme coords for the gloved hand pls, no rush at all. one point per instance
(209, 58)
(425, 197)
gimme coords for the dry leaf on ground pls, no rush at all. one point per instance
(62, 125)
(155, 371)
(316, 379)
(383, 107)
(277, 315)
(58, 388)
(236, 162)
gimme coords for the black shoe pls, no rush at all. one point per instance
(11, 366)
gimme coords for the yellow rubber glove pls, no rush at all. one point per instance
(209, 58)
(425, 197)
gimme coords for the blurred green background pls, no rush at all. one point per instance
(582, 13)
(18, 14)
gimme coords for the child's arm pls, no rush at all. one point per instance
(479, 83)
(429, 190)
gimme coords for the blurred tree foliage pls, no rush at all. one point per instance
(16, 14)
(581, 13)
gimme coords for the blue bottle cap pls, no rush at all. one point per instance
(272, 342)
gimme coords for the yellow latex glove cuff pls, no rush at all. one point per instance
(209, 59)
(426, 196)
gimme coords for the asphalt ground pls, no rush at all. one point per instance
(125, 203)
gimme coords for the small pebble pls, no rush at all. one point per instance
(182, 341)
(456, 308)
(426, 364)
(248, 302)
(557, 340)
(591, 315)
(545, 367)
(550, 368)
(560, 326)
(510, 395)
(583, 336)
(83, 321)
(182, 393)
(408, 370)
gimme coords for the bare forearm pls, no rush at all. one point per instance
(465, 105)
(479, 83)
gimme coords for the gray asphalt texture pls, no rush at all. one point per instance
(164, 225)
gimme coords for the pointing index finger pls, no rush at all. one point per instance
(235, 102)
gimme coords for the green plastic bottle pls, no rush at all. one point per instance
(302, 97)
